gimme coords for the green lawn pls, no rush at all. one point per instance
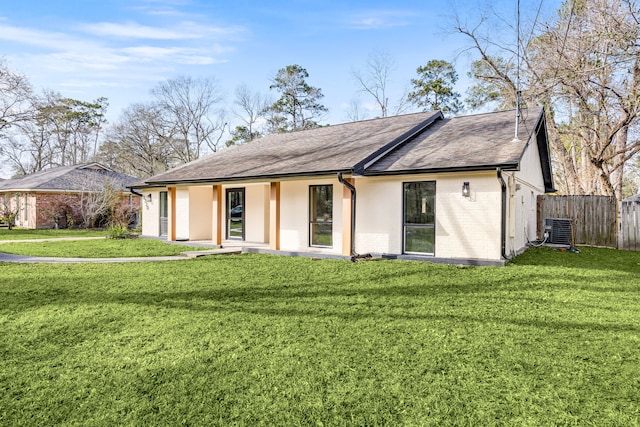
(101, 248)
(24, 234)
(551, 339)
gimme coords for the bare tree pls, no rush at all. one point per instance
(354, 112)
(139, 143)
(16, 98)
(375, 79)
(192, 107)
(583, 66)
(252, 107)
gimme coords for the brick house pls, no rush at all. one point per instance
(62, 197)
(416, 186)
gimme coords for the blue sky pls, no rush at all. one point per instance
(120, 49)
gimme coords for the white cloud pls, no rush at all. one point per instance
(380, 19)
(181, 31)
(42, 39)
(134, 30)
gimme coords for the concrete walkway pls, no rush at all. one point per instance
(4, 257)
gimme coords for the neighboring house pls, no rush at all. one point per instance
(416, 186)
(62, 196)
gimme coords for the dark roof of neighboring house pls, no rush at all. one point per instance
(76, 178)
(412, 143)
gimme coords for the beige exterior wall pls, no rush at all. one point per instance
(256, 213)
(150, 211)
(466, 227)
(200, 212)
(182, 219)
(524, 187)
(378, 215)
(294, 216)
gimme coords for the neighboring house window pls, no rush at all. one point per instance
(419, 217)
(321, 215)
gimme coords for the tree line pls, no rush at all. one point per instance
(581, 65)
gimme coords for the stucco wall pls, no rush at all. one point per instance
(150, 211)
(182, 219)
(294, 216)
(256, 213)
(379, 215)
(200, 212)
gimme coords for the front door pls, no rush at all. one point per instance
(164, 210)
(235, 213)
(419, 217)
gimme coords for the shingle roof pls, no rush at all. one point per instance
(410, 143)
(83, 177)
(311, 152)
(479, 141)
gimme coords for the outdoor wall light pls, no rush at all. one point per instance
(149, 197)
(465, 189)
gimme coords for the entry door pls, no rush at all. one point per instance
(419, 217)
(164, 209)
(235, 213)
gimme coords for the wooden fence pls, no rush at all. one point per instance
(593, 218)
(629, 235)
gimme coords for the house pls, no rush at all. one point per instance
(62, 196)
(418, 186)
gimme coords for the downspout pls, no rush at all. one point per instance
(352, 189)
(136, 193)
(503, 226)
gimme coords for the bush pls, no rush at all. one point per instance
(8, 217)
(118, 231)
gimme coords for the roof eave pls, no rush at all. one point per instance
(267, 177)
(474, 168)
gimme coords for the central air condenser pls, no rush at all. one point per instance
(559, 231)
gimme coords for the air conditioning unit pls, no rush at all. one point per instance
(559, 231)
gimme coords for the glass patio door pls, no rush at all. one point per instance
(419, 217)
(235, 214)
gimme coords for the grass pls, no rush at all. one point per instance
(101, 248)
(551, 339)
(27, 234)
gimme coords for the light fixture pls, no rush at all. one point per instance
(465, 189)
(149, 197)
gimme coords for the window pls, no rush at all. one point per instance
(321, 215)
(419, 217)
(164, 213)
(235, 213)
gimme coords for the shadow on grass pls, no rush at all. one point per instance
(529, 298)
(588, 258)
